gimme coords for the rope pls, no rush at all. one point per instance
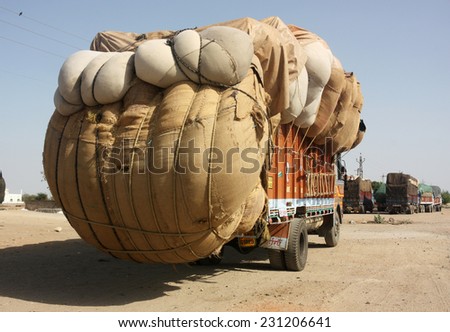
(100, 183)
(135, 230)
(175, 163)
(138, 39)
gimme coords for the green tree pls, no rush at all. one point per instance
(37, 197)
(445, 197)
(41, 197)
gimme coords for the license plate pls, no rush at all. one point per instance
(247, 242)
(279, 234)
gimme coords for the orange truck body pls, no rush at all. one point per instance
(302, 182)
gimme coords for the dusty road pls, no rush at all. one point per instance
(405, 266)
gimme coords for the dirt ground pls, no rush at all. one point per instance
(399, 266)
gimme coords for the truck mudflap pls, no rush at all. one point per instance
(279, 235)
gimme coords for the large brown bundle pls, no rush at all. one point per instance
(348, 135)
(160, 176)
(156, 147)
(338, 118)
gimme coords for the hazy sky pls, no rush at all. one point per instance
(399, 51)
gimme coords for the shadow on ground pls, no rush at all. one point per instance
(73, 273)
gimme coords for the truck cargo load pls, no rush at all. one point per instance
(358, 196)
(402, 193)
(166, 146)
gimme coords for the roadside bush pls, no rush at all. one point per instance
(445, 197)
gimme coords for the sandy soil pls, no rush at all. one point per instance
(404, 266)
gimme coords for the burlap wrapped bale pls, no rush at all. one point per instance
(338, 118)
(360, 135)
(162, 176)
(348, 135)
(117, 41)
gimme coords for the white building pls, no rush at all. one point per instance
(12, 198)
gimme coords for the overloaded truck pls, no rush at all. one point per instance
(168, 145)
(358, 196)
(402, 193)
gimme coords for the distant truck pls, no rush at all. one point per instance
(437, 198)
(380, 198)
(430, 198)
(402, 193)
(426, 198)
(358, 196)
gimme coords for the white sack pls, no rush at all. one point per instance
(309, 114)
(114, 78)
(69, 79)
(227, 58)
(155, 64)
(89, 75)
(318, 65)
(187, 47)
(298, 90)
(63, 107)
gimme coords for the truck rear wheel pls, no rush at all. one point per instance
(297, 252)
(333, 230)
(276, 259)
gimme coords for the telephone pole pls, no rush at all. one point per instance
(360, 171)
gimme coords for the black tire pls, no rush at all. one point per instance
(276, 259)
(297, 253)
(333, 230)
